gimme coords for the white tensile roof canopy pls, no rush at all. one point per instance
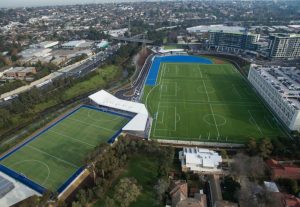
(138, 123)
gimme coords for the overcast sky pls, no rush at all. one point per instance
(22, 3)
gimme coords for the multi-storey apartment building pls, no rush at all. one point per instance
(280, 88)
(284, 45)
(235, 41)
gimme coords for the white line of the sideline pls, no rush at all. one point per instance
(205, 90)
(91, 125)
(213, 114)
(255, 122)
(77, 140)
(41, 151)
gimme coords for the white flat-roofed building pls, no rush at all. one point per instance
(117, 32)
(199, 160)
(138, 124)
(77, 44)
(35, 52)
(19, 193)
(280, 88)
(214, 28)
(45, 44)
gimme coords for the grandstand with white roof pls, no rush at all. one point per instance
(140, 123)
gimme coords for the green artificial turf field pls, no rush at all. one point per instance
(52, 157)
(200, 102)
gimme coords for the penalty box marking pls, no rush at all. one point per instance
(159, 111)
(165, 85)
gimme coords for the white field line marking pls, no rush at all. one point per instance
(96, 126)
(163, 115)
(98, 120)
(167, 91)
(210, 102)
(251, 116)
(213, 114)
(199, 69)
(259, 99)
(205, 90)
(160, 90)
(43, 152)
(158, 85)
(175, 119)
(156, 118)
(38, 161)
(166, 129)
(76, 140)
(237, 91)
(269, 123)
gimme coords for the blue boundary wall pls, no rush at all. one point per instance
(153, 73)
(70, 180)
(33, 185)
(40, 189)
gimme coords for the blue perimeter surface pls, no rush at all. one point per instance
(37, 187)
(153, 73)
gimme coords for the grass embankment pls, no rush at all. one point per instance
(104, 76)
(144, 169)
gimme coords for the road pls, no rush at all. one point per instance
(137, 85)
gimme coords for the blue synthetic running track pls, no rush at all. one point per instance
(153, 73)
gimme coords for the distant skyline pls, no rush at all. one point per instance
(32, 3)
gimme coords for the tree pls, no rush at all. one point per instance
(76, 204)
(109, 202)
(224, 154)
(4, 118)
(160, 188)
(126, 191)
(265, 148)
(245, 166)
(252, 147)
(82, 197)
(230, 188)
(290, 185)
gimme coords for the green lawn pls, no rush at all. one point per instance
(105, 75)
(199, 102)
(52, 157)
(171, 47)
(144, 170)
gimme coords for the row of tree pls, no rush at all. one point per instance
(282, 147)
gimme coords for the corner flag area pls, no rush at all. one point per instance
(205, 102)
(54, 157)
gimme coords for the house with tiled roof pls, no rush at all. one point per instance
(179, 196)
(279, 170)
